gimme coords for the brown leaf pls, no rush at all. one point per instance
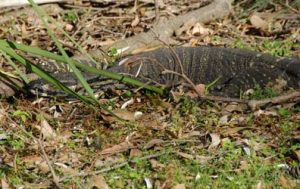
(69, 27)
(43, 166)
(203, 159)
(297, 152)
(259, 185)
(65, 168)
(122, 147)
(136, 21)
(125, 114)
(46, 130)
(224, 120)
(135, 152)
(258, 22)
(278, 85)
(235, 107)
(191, 134)
(244, 165)
(200, 88)
(156, 165)
(259, 113)
(8, 87)
(106, 42)
(24, 29)
(32, 159)
(97, 181)
(180, 186)
(199, 29)
(4, 184)
(3, 116)
(185, 155)
(238, 120)
(233, 130)
(286, 184)
(215, 140)
(152, 143)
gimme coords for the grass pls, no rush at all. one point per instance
(278, 48)
(70, 16)
(224, 172)
(262, 93)
(7, 49)
(243, 159)
(229, 165)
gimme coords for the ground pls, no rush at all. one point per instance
(163, 142)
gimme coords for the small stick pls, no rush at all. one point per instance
(110, 167)
(156, 10)
(254, 104)
(185, 78)
(55, 177)
(39, 141)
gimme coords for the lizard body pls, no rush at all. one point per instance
(235, 70)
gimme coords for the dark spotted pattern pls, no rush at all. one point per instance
(235, 70)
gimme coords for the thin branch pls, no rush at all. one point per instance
(178, 61)
(156, 11)
(255, 104)
(112, 166)
(55, 178)
(187, 79)
(224, 99)
(290, 7)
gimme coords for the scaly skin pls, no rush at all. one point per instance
(235, 70)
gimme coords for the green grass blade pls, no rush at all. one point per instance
(77, 45)
(77, 73)
(23, 76)
(43, 74)
(59, 58)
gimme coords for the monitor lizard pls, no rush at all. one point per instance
(233, 70)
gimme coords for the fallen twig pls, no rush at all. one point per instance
(44, 154)
(255, 104)
(186, 78)
(54, 176)
(223, 99)
(156, 10)
(112, 166)
(179, 62)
